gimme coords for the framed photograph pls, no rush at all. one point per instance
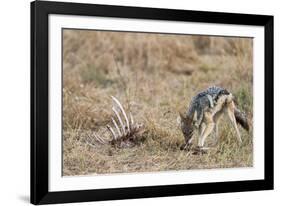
(131, 102)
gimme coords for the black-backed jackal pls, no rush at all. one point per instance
(204, 114)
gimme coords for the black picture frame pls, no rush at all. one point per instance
(39, 102)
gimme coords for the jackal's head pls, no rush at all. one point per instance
(186, 127)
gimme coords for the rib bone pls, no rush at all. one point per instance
(112, 131)
(101, 140)
(116, 126)
(119, 119)
(122, 110)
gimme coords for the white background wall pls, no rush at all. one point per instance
(14, 101)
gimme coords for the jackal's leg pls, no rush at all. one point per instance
(208, 117)
(217, 131)
(201, 130)
(230, 111)
(217, 122)
(209, 128)
(216, 134)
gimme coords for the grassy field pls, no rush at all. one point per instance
(155, 76)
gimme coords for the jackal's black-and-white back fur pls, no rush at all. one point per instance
(204, 113)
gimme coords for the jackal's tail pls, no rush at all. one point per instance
(241, 119)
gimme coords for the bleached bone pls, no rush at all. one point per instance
(120, 120)
(98, 140)
(112, 131)
(120, 132)
(91, 145)
(122, 110)
(116, 126)
(101, 140)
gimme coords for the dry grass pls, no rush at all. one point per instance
(156, 76)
